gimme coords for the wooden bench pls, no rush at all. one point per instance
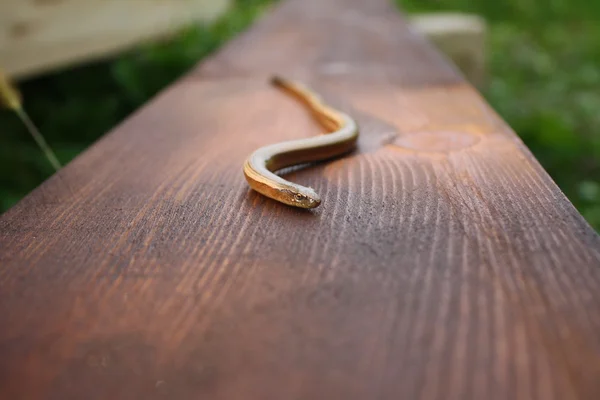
(444, 263)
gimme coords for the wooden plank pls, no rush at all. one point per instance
(443, 263)
(461, 37)
(38, 36)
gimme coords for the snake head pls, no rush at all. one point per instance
(306, 201)
(306, 198)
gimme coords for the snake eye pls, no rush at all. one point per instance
(299, 197)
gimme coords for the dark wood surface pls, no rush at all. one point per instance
(444, 263)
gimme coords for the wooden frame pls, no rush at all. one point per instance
(37, 36)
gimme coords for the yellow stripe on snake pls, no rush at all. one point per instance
(341, 138)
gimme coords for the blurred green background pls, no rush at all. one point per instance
(544, 80)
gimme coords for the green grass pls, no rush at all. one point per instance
(544, 67)
(543, 60)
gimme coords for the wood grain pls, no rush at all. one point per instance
(443, 263)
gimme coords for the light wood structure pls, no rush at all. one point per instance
(42, 35)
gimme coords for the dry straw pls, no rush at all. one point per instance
(11, 99)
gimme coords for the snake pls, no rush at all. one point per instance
(341, 138)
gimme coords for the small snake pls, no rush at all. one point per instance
(260, 166)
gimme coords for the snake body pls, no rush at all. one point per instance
(341, 138)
